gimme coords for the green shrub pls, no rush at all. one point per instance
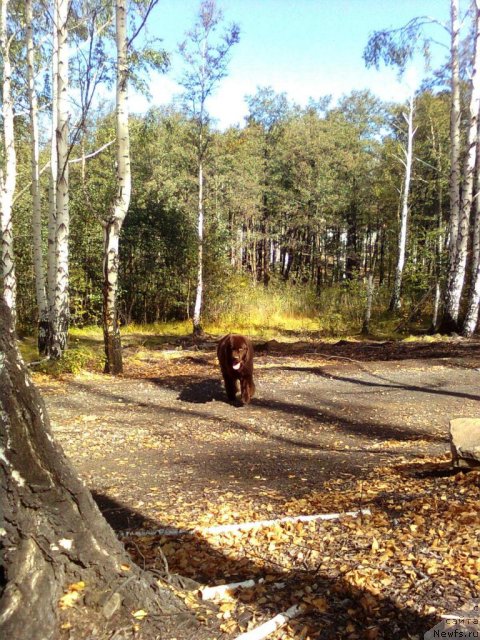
(74, 360)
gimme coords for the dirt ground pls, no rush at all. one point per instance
(163, 442)
(332, 428)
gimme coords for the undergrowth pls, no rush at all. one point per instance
(281, 311)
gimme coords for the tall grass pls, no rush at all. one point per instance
(278, 311)
(284, 309)
(264, 312)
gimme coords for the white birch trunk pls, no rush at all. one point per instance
(8, 170)
(471, 317)
(36, 201)
(458, 258)
(52, 192)
(402, 238)
(436, 306)
(368, 307)
(112, 227)
(58, 339)
(197, 311)
(454, 128)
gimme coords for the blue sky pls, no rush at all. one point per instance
(303, 47)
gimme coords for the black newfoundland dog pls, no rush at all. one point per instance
(235, 355)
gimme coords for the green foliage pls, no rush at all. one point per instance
(303, 199)
(76, 359)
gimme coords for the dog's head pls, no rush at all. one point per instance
(239, 351)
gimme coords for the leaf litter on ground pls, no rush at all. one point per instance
(387, 575)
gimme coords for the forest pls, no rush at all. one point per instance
(341, 210)
(337, 239)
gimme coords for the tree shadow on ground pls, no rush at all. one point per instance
(348, 608)
(200, 392)
(371, 350)
(385, 383)
(324, 415)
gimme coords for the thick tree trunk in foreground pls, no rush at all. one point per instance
(53, 534)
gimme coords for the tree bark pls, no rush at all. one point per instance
(41, 296)
(8, 169)
(197, 311)
(471, 317)
(368, 307)
(111, 329)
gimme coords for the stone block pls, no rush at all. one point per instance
(465, 442)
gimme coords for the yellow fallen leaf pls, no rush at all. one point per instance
(77, 586)
(140, 614)
(72, 595)
(68, 600)
(320, 604)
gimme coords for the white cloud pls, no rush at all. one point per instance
(227, 106)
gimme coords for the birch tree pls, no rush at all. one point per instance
(59, 306)
(8, 166)
(113, 225)
(455, 168)
(39, 271)
(407, 161)
(206, 57)
(460, 226)
(471, 317)
(52, 194)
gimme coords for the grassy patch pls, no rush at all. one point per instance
(280, 312)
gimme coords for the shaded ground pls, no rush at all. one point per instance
(332, 428)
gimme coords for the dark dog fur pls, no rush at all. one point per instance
(235, 355)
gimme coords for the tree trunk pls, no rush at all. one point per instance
(61, 312)
(471, 317)
(402, 238)
(41, 296)
(8, 169)
(52, 196)
(112, 227)
(436, 306)
(454, 127)
(111, 329)
(53, 533)
(368, 307)
(458, 252)
(197, 311)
